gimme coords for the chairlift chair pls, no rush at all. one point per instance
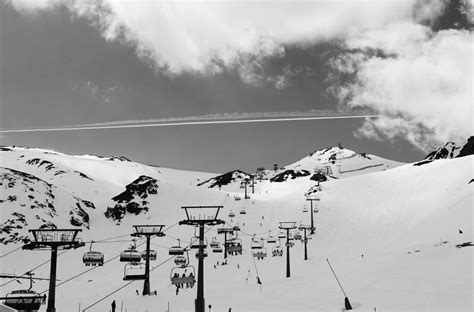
(131, 254)
(180, 276)
(297, 236)
(194, 244)
(180, 260)
(271, 239)
(204, 253)
(256, 243)
(281, 234)
(153, 254)
(260, 254)
(134, 271)
(242, 211)
(234, 246)
(277, 251)
(237, 198)
(176, 250)
(93, 257)
(231, 214)
(217, 249)
(25, 299)
(214, 243)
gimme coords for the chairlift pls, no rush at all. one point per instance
(277, 251)
(25, 299)
(234, 246)
(256, 243)
(242, 211)
(260, 253)
(134, 271)
(152, 254)
(271, 239)
(217, 249)
(131, 254)
(180, 260)
(204, 253)
(176, 250)
(194, 244)
(214, 243)
(231, 214)
(180, 276)
(305, 209)
(237, 198)
(93, 257)
(281, 234)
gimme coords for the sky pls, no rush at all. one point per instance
(68, 63)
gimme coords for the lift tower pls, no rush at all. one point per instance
(312, 212)
(54, 239)
(305, 239)
(225, 231)
(201, 216)
(287, 226)
(148, 231)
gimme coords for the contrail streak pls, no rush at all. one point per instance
(182, 123)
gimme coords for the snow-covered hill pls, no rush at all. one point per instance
(409, 223)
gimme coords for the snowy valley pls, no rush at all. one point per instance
(398, 235)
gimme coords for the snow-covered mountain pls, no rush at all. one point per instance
(412, 224)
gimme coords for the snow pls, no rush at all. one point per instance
(397, 216)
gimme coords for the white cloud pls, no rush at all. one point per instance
(202, 36)
(421, 81)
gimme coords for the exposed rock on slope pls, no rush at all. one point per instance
(28, 201)
(468, 148)
(226, 178)
(133, 199)
(289, 174)
(449, 150)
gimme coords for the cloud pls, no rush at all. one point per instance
(393, 63)
(209, 36)
(419, 80)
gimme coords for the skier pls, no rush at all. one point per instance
(137, 292)
(113, 306)
(362, 256)
(177, 289)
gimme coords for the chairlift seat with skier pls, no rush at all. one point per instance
(153, 255)
(130, 255)
(259, 253)
(93, 258)
(180, 275)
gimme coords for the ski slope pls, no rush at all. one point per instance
(404, 220)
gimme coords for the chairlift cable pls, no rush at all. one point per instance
(31, 270)
(122, 287)
(95, 267)
(2, 256)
